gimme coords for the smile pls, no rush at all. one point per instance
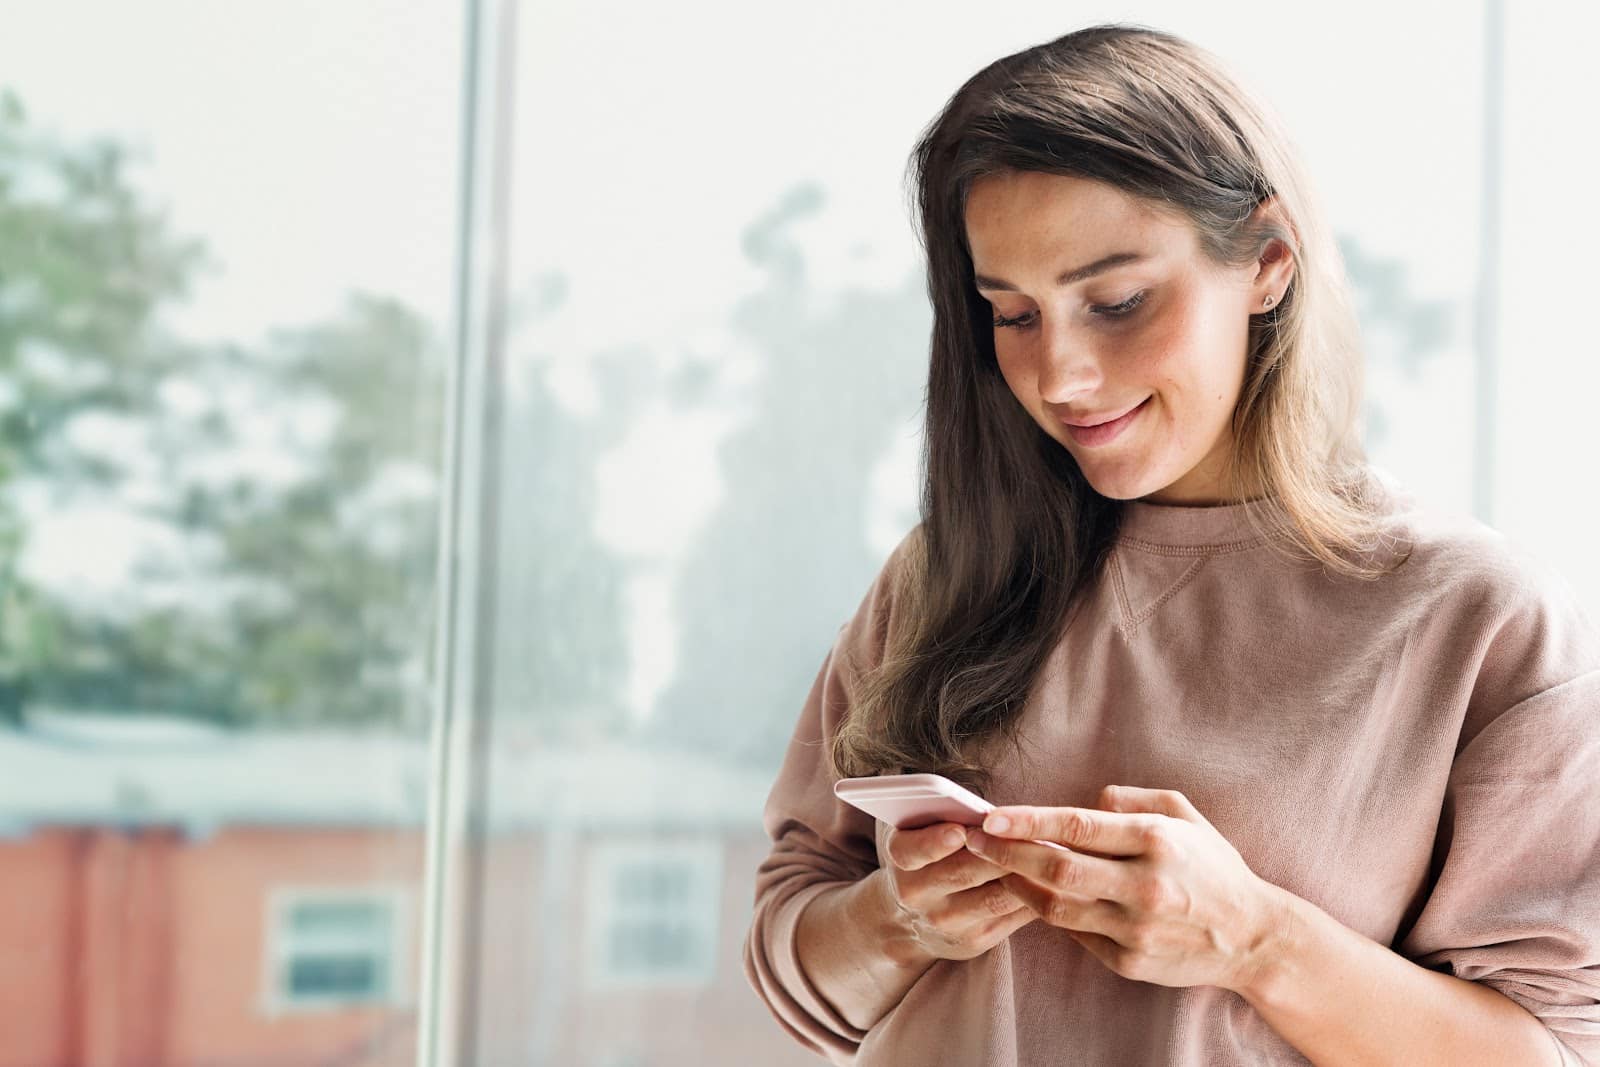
(1105, 432)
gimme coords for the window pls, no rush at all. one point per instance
(654, 912)
(222, 479)
(335, 947)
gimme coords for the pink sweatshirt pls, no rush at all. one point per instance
(1417, 756)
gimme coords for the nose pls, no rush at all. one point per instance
(1068, 368)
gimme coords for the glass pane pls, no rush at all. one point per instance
(717, 346)
(651, 884)
(349, 918)
(647, 947)
(1549, 362)
(226, 236)
(345, 977)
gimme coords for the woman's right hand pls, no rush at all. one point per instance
(948, 903)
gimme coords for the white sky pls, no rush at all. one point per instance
(314, 146)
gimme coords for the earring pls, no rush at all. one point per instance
(1266, 301)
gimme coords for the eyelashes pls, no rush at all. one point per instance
(1113, 311)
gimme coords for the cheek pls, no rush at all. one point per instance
(1015, 370)
(1196, 368)
(1161, 356)
(1172, 358)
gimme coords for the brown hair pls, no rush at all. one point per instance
(1010, 530)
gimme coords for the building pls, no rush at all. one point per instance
(194, 897)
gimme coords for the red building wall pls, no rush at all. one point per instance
(141, 947)
(146, 947)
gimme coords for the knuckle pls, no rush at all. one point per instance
(1062, 872)
(1153, 894)
(942, 877)
(997, 899)
(1058, 911)
(946, 877)
(1155, 836)
(1079, 829)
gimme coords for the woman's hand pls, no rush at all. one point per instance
(1165, 899)
(949, 904)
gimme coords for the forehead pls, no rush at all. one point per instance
(1019, 215)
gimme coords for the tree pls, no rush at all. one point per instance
(82, 267)
(300, 481)
(785, 559)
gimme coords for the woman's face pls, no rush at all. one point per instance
(1142, 344)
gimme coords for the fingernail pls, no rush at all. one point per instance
(954, 837)
(997, 824)
(975, 840)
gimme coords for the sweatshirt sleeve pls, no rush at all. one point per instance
(818, 841)
(1516, 900)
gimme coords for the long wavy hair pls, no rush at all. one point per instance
(1010, 530)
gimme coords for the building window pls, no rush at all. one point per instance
(652, 918)
(335, 947)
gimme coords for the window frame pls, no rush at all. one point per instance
(702, 857)
(278, 947)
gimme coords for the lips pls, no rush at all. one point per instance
(1099, 420)
(1097, 430)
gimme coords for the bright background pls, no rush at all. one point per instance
(715, 338)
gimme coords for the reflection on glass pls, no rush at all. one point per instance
(216, 586)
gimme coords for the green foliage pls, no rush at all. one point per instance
(305, 590)
(82, 267)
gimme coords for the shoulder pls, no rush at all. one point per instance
(1463, 560)
(1491, 599)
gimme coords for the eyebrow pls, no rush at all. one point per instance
(1104, 263)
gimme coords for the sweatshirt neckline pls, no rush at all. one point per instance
(1196, 525)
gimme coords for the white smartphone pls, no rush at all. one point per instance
(912, 801)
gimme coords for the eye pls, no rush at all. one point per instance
(1116, 311)
(1111, 311)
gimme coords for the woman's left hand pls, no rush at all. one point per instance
(1165, 899)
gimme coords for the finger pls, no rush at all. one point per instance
(1057, 870)
(912, 850)
(947, 877)
(999, 929)
(1102, 948)
(1162, 801)
(980, 904)
(1070, 912)
(1110, 833)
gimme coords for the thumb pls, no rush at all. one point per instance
(1138, 798)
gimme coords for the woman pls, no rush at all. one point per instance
(1324, 762)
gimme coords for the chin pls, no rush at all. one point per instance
(1121, 484)
(1120, 473)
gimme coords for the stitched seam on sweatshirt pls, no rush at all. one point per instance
(1184, 579)
(1121, 591)
(1180, 551)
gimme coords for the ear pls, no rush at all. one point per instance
(1275, 266)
